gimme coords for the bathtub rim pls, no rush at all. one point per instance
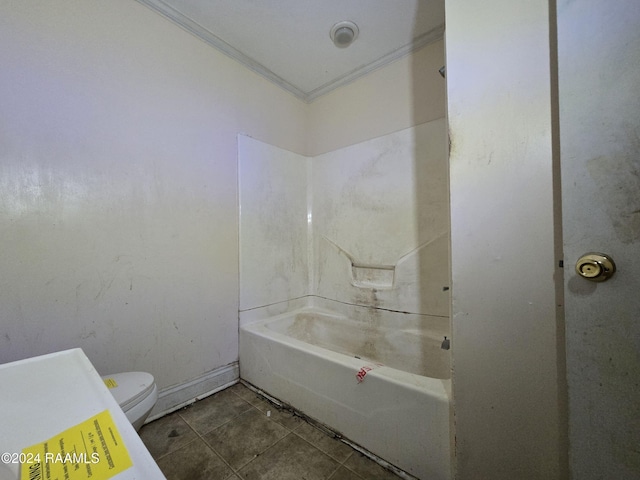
(439, 388)
(436, 394)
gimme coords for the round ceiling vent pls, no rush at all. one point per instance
(343, 34)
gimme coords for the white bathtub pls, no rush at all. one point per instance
(399, 411)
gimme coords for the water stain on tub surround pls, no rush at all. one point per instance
(302, 328)
(411, 283)
(324, 332)
(412, 346)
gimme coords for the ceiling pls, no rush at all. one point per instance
(288, 41)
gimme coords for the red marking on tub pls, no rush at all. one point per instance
(364, 370)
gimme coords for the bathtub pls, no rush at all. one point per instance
(379, 379)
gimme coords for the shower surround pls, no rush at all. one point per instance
(344, 289)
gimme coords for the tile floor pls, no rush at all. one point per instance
(230, 436)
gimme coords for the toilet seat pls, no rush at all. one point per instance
(131, 388)
(136, 394)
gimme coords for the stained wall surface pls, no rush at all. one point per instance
(381, 222)
(363, 225)
(274, 264)
(599, 93)
(376, 191)
(118, 186)
(118, 175)
(506, 350)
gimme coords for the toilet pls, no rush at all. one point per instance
(135, 392)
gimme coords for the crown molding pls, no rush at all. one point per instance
(419, 42)
(193, 27)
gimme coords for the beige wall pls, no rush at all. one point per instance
(408, 92)
(118, 190)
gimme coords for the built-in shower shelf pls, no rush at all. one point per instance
(373, 276)
(367, 275)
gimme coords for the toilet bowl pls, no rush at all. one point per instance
(135, 392)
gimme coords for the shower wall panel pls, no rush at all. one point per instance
(366, 224)
(381, 222)
(273, 224)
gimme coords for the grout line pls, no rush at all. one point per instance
(221, 457)
(334, 472)
(214, 428)
(180, 448)
(283, 407)
(279, 405)
(343, 465)
(252, 407)
(317, 425)
(201, 436)
(156, 459)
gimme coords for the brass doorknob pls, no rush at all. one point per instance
(595, 266)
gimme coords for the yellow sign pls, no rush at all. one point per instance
(92, 449)
(110, 383)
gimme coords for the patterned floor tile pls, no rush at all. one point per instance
(367, 468)
(238, 435)
(211, 412)
(245, 437)
(292, 458)
(194, 461)
(344, 474)
(329, 445)
(167, 434)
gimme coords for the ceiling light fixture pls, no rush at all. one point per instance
(344, 34)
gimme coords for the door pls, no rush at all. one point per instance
(599, 112)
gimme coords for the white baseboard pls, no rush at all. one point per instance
(178, 396)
